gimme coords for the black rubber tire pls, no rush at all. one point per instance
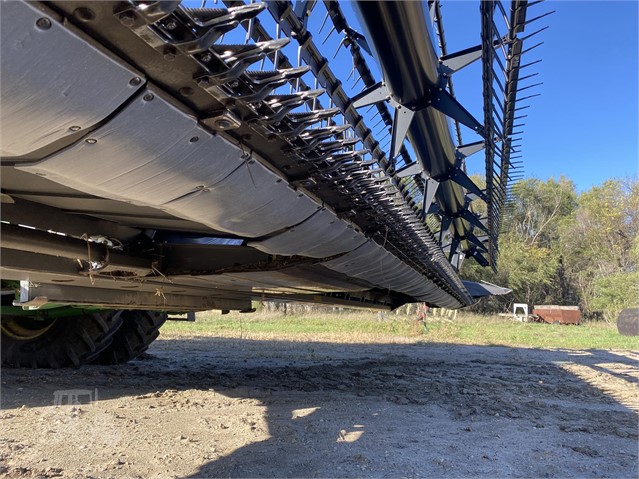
(139, 329)
(628, 322)
(62, 342)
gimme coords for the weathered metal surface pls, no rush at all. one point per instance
(241, 130)
(558, 314)
(51, 93)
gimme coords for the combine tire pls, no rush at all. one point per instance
(57, 343)
(628, 322)
(139, 329)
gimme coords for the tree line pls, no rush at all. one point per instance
(567, 248)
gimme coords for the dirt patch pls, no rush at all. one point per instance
(209, 407)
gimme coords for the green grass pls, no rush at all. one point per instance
(352, 326)
(498, 331)
(367, 327)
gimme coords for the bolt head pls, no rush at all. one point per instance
(148, 97)
(127, 19)
(74, 128)
(91, 141)
(43, 23)
(135, 81)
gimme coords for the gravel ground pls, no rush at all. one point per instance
(211, 407)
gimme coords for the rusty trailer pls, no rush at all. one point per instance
(558, 314)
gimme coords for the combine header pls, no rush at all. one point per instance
(166, 156)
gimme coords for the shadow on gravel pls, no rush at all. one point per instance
(468, 383)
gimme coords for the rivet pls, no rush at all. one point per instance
(194, 139)
(223, 124)
(91, 141)
(43, 23)
(74, 128)
(135, 81)
(148, 97)
(199, 187)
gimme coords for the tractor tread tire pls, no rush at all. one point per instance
(71, 341)
(139, 329)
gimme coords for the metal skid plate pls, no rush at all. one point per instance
(52, 83)
(150, 153)
(374, 264)
(251, 202)
(153, 154)
(320, 236)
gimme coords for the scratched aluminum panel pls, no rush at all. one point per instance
(51, 80)
(369, 262)
(355, 261)
(250, 202)
(147, 155)
(150, 154)
(320, 236)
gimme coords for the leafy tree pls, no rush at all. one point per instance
(564, 248)
(614, 292)
(539, 207)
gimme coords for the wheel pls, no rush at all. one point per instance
(59, 342)
(628, 322)
(139, 329)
